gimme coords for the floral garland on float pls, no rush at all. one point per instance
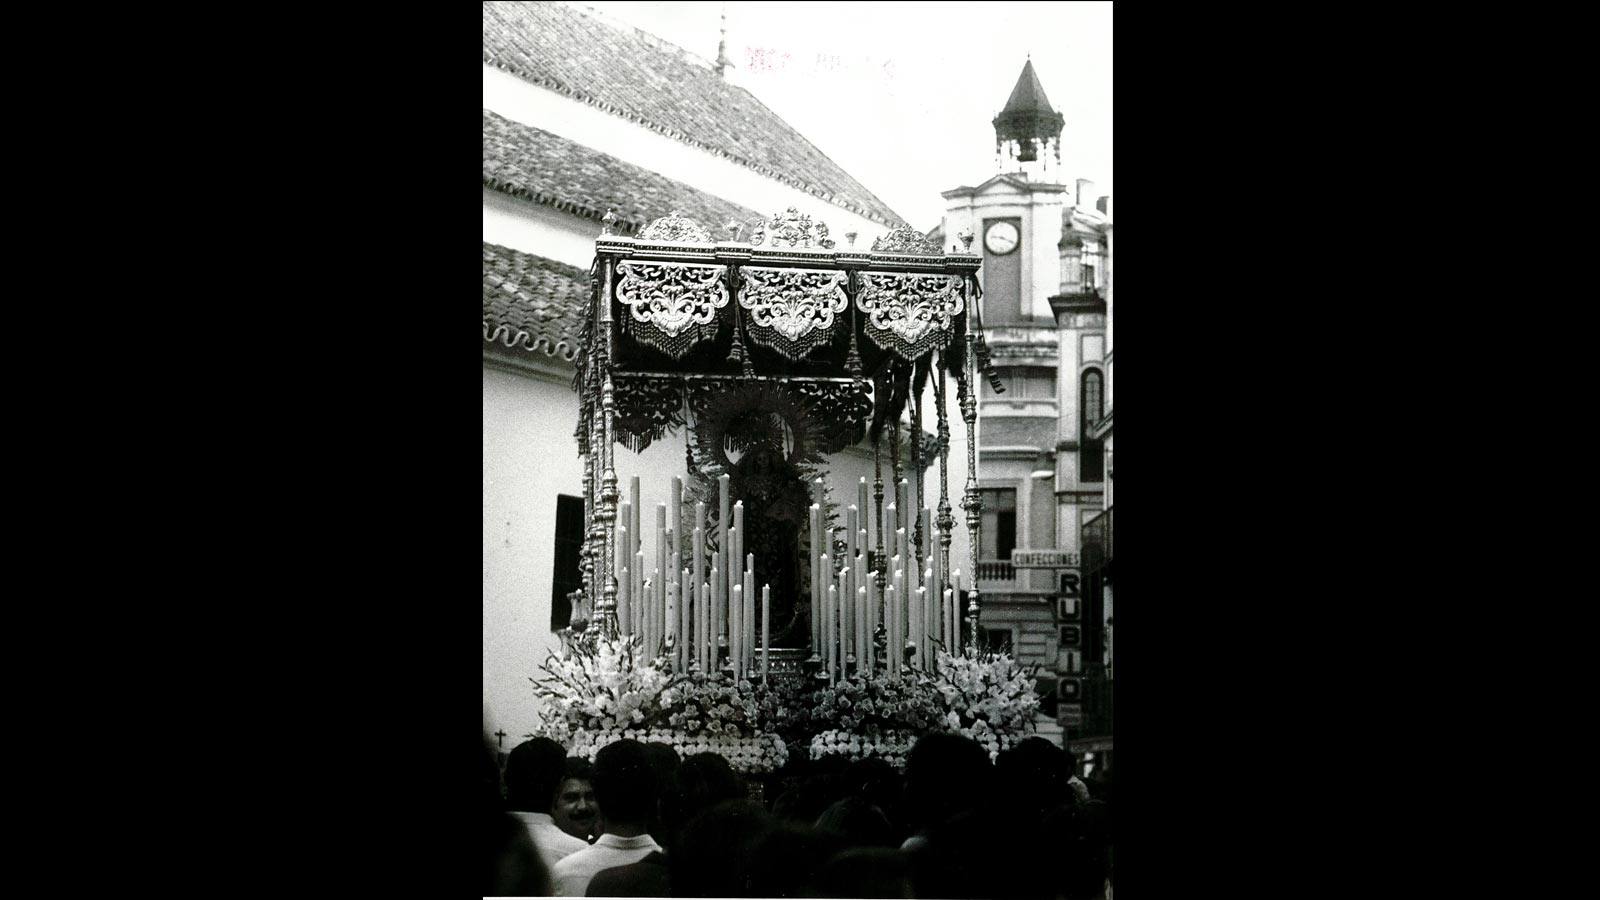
(603, 690)
(988, 697)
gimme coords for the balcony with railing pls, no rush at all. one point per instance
(996, 573)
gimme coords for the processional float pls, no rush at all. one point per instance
(769, 353)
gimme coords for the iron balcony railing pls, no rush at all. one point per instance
(996, 570)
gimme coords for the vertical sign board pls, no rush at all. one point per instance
(1069, 611)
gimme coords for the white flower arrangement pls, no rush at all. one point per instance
(890, 746)
(598, 684)
(760, 753)
(985, 694)
(602, 690)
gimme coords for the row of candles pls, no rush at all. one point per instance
(916, 611)
(695, 612)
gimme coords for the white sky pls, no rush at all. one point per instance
(902, 94)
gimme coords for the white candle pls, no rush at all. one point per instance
(634, 510)
(686, 620)
(639, 582)
(749, 619)
(735, 627)
(766, 632)
(669, 612)
(713, 614)
(816, 580)
(623, 622)
(861, 501)
(833, 600)
(842, 599)
(889, 607)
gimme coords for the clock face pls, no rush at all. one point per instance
(1001, 238)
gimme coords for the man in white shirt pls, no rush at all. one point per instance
(625, 785)
(533, 771)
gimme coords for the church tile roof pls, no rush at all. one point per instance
(534, 164)
(638, 77)
(532, 303)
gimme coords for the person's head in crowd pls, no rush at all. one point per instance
(574, 807)
(665, 759)
(859, 822)
(666, 762)
(509, 862)
(625, 784)
(874, 872)
(533, 771)
(971, 855)
(703, 781)
(877, 782)
(1032, 777)
(713, 855)
(945, 774)
(1078, 836)
(819, 785)
(788, 860)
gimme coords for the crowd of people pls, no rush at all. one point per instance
(641, 822)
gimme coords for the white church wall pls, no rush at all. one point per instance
(530, 104)
(537, 229)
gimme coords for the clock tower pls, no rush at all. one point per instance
(1043, 241)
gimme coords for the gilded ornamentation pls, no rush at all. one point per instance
(907, 313)
(676, 227)
(791, 228)
(792, 310)
(673, 305)
(905, 239)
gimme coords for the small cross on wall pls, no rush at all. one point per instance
(500, 738)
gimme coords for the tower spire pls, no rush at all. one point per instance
(1029, 126)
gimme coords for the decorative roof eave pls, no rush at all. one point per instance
(769, 172)
(580, 210)
(519, 339)
(531, 304)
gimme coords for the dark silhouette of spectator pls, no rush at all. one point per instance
(976, 854)
(817, 785)
(859, 823)
(704, 780)
(788, 861)
(866, 872)
(946, 775)
(714, 856)
(1078, 835)
(575, 810)
(509, 861)
(1031, 778)
(533, 772)
(648, 877)
(877, 782)
(625, 784)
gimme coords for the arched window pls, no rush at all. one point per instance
(1091, 456)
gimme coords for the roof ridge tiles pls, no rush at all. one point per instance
(762, 141)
